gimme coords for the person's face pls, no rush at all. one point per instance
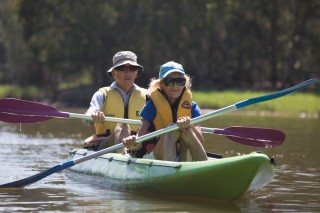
(173, 85)
(125, 75)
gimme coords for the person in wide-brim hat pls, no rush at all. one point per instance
(125, 57)
(121, 99)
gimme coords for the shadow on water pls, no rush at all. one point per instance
(153, 202)
(30, 149)
(83, 197)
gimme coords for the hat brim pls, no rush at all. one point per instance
(172, 71)
(140, 69)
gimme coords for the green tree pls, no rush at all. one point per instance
(57, 44)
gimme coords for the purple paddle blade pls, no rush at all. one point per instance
(258, 133)
(13, 118)
(20, 111)
(253, 136)
(255, 142)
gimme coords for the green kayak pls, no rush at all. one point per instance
(219, 179)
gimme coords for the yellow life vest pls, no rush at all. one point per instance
(114, 107)
(164, 113)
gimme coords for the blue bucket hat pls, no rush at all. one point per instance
(170, 67)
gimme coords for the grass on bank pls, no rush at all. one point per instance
(299, 102)
(294, 103)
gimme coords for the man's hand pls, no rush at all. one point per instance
(98, 117)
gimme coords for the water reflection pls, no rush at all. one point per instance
(38, 147)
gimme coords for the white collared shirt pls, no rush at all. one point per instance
(97, 100)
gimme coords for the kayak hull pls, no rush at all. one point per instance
(219, 179)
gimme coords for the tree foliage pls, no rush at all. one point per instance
(222, 44)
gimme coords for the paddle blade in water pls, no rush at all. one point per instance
(34, 178)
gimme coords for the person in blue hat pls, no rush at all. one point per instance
(170, 102)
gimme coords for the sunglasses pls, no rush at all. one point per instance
(171, 81)
(124, 68)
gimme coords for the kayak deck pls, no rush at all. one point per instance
(219, 179)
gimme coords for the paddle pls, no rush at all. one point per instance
(21, 111)
(242, 104)
(251, 136)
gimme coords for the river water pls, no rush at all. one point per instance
(31, 148)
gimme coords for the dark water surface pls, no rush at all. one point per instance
(29, 149)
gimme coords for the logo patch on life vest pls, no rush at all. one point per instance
(186, 105)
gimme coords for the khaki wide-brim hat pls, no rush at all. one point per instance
(125, 57)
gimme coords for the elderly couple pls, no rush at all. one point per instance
(168, 100)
